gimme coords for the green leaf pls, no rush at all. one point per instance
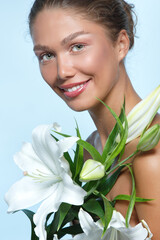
(52, 228)
(71, 215)
(108, 212)
(122, 162)
(61, 134)
(90, 187)
(64, 208)
(77, 130)
(71, 164)
(78, 162)
(106, 184)
(93, 206)
(113, 114)
(111, 141)
(78, 158)
(121, 154)
(128, 198)
(73, 230)
(93, 151)
(30, 216)
(120, 147)
(132, 199)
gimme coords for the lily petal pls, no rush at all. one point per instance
(90, 228)
(142, 114)
(65, 191)
(27, 160)
(26, 193)
(47, 149)
(65, 144)
(51, 204)
(116, 229)
(86, 221)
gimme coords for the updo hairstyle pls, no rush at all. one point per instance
(114, 15)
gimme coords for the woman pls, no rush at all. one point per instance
(81, 46)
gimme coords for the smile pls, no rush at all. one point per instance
(73, 90)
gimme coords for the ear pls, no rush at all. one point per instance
(123, 44)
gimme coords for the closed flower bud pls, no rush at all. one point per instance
(142, 114)
(92, 170)
(149, 139)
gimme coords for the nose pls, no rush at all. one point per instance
(65, 68)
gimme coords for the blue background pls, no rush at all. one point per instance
(26, 101)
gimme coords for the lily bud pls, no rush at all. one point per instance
(149, 139)
(92, 170)
(142, 114)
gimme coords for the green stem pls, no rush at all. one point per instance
(119, 164)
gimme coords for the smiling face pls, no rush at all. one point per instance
(76, 58)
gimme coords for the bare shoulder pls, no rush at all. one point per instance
(146, 169)
(148, 163)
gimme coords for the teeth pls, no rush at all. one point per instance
(74, 88)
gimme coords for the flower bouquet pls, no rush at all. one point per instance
(73, 192)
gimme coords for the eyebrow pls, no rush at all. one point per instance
(63, 42)
(72, 36)
(42, 48)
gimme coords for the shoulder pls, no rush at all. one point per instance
(149, 160)
(148, 163)
(146, 168)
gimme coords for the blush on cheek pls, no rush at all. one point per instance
(95, 61)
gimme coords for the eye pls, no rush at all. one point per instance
(46, 57)
(77, 47)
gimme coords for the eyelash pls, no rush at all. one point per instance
(78, 45)
(45, 55)
(51, 55)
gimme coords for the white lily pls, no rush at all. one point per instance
(116, 229)
(57, 127)
(46, 178)
(142, 114)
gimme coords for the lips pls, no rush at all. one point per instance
(75, 89)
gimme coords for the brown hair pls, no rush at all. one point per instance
(115, 15)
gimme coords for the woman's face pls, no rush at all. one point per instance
(76, 58)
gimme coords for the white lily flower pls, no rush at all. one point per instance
(57, 127)
(46, 178)
(56, 238)
(142, 114)
(116, 229)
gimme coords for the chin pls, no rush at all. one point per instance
(77, 108)
(81, 105)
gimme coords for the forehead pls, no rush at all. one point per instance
(58, 23)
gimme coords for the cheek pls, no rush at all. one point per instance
(95, 61)
(48, 73)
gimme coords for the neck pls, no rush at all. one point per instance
(101, 116)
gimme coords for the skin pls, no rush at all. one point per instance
(81, 51)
